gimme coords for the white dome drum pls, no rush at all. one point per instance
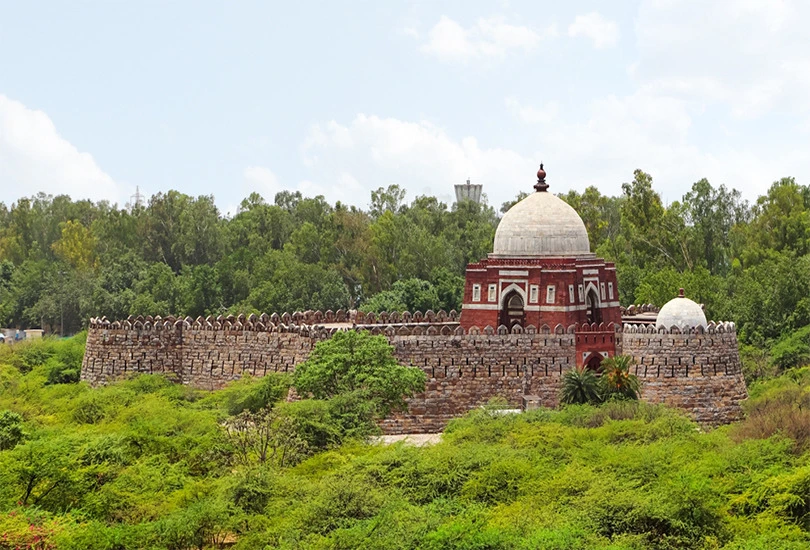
(541, 225)
(681, 312)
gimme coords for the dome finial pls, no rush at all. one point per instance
(541, 184)
(681, 294)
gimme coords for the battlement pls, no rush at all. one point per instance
(635, 309)
(320, 325)
(265, 321)
(712, 328)
(696, 370)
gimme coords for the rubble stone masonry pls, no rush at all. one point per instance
(696, 372)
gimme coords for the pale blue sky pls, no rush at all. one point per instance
(338, 98)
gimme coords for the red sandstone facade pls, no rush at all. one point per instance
(546, 291)
(542, 273)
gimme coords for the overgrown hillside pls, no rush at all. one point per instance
(148, 464)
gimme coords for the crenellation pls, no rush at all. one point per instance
(694, 370)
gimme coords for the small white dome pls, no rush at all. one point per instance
(541, 225)
(681, 312)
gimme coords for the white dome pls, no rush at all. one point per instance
(681, 312)
(541, 225)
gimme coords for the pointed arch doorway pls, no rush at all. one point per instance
(512, 312)
(594, 362)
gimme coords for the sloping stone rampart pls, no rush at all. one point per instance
(697, 372)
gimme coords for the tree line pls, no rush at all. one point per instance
(62, 261)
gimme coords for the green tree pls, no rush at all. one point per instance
(409, 294)
(180, 230)
(265, 435)
(616, 381)
(712, 213)
(357, 363)
(76, 246)
(200, 292)
(386, 200)
(600, 214)
(349, 254)
(781, 222)
(449, 287)
(284, 283)
(469, 234)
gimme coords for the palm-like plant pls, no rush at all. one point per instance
(616, 381)
(580, 385)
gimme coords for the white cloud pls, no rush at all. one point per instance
(533, 115)
(344, 187)
(618, 135)
(654, 133)
(748, 57)
(411, 32)
(262, 180)
(488, 38)
(613, 136)
(418, 156)
(256, 179)
(35, 158)
(602, 32)
(721, 90)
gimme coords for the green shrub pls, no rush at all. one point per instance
(11, 430)
(682, 513)
(29, 528)
(627, 410)
(29, 354)
(92, 407)
(64, 366)
(142, 464)
(757, 363)
(252, 489)
(253, 394)
(339, 501)
(500, 482)
(316, 422)
(779, 406)
(580, 385)
(59, 373)
(792, 350)
(204, 522)
(352, 413)
(147, 383)
(468, 531)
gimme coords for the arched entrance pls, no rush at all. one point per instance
(594, 312)
(594, 362)
(512, 312)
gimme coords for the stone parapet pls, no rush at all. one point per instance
(698, 371)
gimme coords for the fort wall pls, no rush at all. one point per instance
(697, 372)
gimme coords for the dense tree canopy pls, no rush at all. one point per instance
(62, 261)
